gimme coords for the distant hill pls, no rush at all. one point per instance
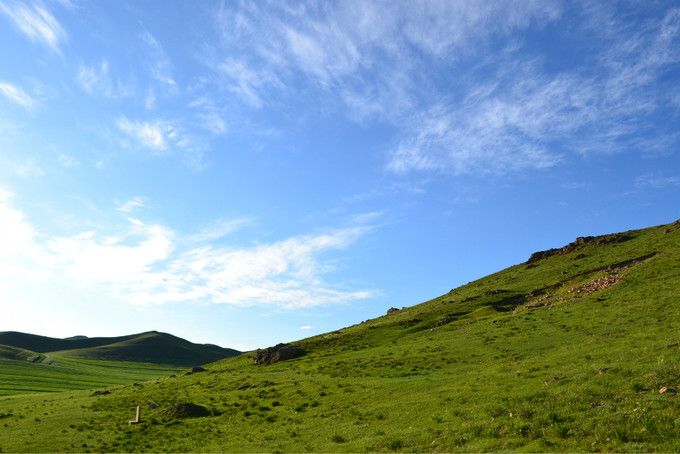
(150, 347)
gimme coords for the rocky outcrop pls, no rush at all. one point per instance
(280, 352)
(596, 285)
(580, 243)
(392, 310)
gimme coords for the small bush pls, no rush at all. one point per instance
(338, 439)
(395, 445)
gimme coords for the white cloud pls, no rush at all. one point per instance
(210, 115)
(656, 181)
(498, 131)
(501, 109)
(131, 205)
(159, 63)
(147, 264)
(155, 135)
(98, 81)
(16, 234)
(340, 47)
(36, 22)
(245, 82)
(306, 327)
(520, 118)
(285, 273)
(161, 136)
(219, 229)
(16, 95)
(120, 261)
(213, 122)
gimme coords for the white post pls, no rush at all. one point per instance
(138, 415)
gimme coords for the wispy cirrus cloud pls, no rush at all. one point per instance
(656, 181)
(131, 205)
(504, 107)
(523, 118)
(339, 46)
(156, 135)
(16, 95)
(210, 115)
(245, 82)
(162, 137)
(36, 22)
(148, 264)
(159, 64)
(97, 80)
(220, 229)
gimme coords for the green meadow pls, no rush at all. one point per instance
(567, 352)
(60, 373)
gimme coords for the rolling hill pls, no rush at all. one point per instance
(149, 347)
(31, 363)
(20, 354)
(577, 349)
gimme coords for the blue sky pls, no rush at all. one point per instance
(245, 173)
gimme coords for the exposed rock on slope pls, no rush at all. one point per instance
(580, 243)
(280, 352)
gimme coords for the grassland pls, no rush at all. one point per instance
(58, 372)
(566, 353)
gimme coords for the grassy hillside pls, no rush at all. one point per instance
(150, 347)
(154, 347)
(21, 354)
(567, 352)
(58, 372)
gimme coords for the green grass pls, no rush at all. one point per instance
(60, 372)
(522, 360)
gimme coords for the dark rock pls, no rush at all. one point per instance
(444, 321)
(186, 410)
(280, 352)
(102, 392)
(392, 310)
(153, 406)
(198, 369)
